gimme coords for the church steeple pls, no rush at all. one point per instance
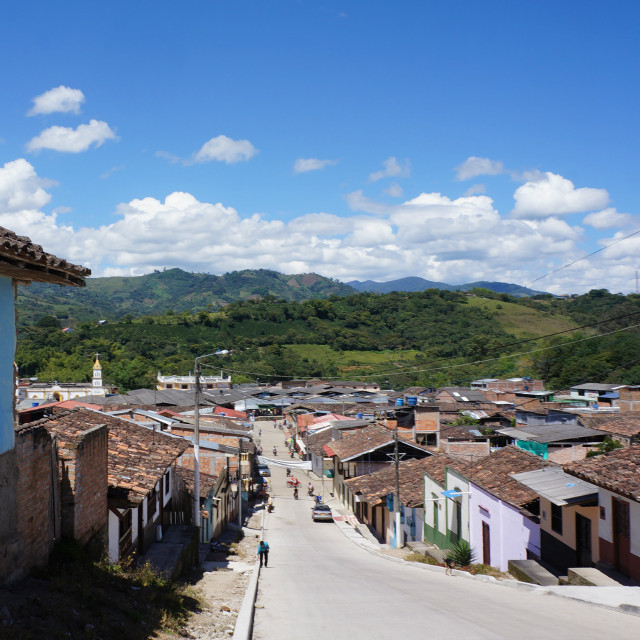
(97, 372)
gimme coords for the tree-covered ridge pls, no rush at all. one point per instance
(430, 338)
(160, 291)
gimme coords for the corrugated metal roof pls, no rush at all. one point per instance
(557, 486)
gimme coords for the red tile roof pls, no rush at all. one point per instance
(493, 474)
(617, 471)
(623, 424)
(138, 456)
(22, 259)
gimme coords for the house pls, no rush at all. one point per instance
(140, 478)
(479, 502)
(460, 395)
(365, 451)
(21, 262)
(597, 395)
(623, 427)
(629, 398)
(617, 476)
(373, 494)
(508, 384)
(188, 383)
(503, 513)
(568, 517)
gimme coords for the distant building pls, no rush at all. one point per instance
(508, 384)
(188, 383)
(40, 392)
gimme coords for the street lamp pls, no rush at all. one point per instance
(196, 443)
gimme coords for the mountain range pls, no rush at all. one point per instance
(178, 290)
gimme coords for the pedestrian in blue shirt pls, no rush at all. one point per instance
(263, 552)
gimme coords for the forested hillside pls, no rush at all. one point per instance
(431, 338)
(175, 289)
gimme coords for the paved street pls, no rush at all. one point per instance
(319, 584)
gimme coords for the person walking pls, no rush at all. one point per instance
(263, 552)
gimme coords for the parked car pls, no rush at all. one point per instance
(322, 513)
(263, 470)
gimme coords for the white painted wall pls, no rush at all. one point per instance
(454, 480)
(511, 533)
(606, 525)
(433, 489)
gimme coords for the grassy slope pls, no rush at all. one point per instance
(523, 322)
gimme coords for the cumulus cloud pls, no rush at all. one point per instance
(302, 165)
(608, 218)
(225, 149)
(553, 195)
(475, 189)
(21, 189)
(392, 168)
(69, 140)
(59, 100)
(432, 235)
(474, 166)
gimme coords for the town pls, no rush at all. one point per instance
(502, 478)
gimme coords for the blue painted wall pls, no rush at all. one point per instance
(7, 355)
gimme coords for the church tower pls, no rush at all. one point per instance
(97, 373)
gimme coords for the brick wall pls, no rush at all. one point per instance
(84, 483)
(38, 506)
(470, 451)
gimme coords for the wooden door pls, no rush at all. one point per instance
(621, 536)
(583, 541)
(486, 543)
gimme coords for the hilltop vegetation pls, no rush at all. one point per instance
(172, 289)
(430, 338)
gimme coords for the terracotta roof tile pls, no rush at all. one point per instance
(138, 456)
(623, 424)
(617, 471)
(18, 252)
(493, 474)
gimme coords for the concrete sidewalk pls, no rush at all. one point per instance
(623, 599)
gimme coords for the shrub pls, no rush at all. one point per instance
(462, 554)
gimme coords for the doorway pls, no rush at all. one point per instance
(583, 541)
(621, 537)
(486, 543)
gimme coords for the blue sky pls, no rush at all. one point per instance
(456, 141)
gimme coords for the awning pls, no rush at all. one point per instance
(557, 486)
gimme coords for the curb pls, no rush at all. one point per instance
(353, 535)
(243, 629)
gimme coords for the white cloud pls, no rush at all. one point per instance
(392, 168)
(21, 189)
(608, 218)
(474, 166)
(302, 165)
(439, 238)
(394, 190)
(109, 172)
(553, 195)
(225, 149)
(59, 100)
(71, 140)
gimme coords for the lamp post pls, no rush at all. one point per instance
(196, 442)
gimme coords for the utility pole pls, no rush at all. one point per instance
(396, 501)
(196, 449)
(239, 482)
(196, 443)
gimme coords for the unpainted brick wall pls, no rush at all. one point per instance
(38, 506)
(84, 483)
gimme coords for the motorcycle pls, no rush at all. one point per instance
(310, 491)
(288, 472)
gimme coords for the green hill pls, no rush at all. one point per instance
(115, 297)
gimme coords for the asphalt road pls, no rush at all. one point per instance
(321, 585)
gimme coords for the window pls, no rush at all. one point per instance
(152, 505)
(166, 480)
(556, 518)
